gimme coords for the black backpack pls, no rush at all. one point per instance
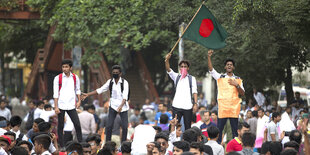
(122, 88)
(30, 120)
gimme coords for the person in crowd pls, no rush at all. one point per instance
(236, 143)
(272, 131)
(196, 148)
(12, 136)
(248, 141)
(29, 118)
(262, 122)
(35, 128)
(3, 125)
(154, 148)
(213, 133)
(92, 109)
(67, 99)
(126, 148)
(87, 122)
(259, 97)
(214, 117)
(94, 142)
(289, 152)
(291, 145)
(185, 89)
(117, 129)
(39, 109)
(119, 93)
(248, 115)
(162, 110)
(202, 101)
(27, 145)
(229, 89)
(134, 118)
(86, 148)
(300, 100)
(19, 151)
(41, 144)
(47, 113)
(164, 122)
(4, 111)
(147, 107)
(271, 148)
(206, 115)
(253, 122)
(74, 148)
(111, 147)
(199, 114)
(163, 139)
(5, 143)
(179, 147)
(16, 122)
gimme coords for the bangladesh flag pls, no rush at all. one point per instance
(206, 30)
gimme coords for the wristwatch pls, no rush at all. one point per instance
(238, 86)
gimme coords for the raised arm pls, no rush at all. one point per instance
(167, 64)
(210, 52)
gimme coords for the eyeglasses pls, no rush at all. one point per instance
(92, 144)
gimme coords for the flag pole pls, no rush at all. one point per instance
(175, 45)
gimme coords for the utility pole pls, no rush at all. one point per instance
(181, 43)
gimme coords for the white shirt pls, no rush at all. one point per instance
(47, 114)
(5, 113)
(217, 75)
(260, 98)
(18, 133)
(182, 98)
(67, 95)
(216, 148)
(117, 95)
(46, 153)
(37, 113)
(261, 124)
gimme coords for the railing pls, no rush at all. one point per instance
(17, 10)
(146, 77)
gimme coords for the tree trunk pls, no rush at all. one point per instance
(288, 85)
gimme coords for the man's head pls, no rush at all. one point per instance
(5, 143)
(255, 113)
(3, 104)
(94, 142)
(289, 152)
(248, 140)
(288, 109)
(213, 132)
(74, 148)
(198, 133)
(48, 107)
(296, 136)
(276, 117)
(179, 147)
(12, 136)
(162, 138)
(18, 150)
(40, 104)
(178, 130)
(41, 143)
(184, 64)
(36, 122)
(116, 72)
(161, 107)
(111, 146)
(188, 136)
(249, 114)
(205, 116)
(229, 65)
(214, 115)
(243, 127)
(27, 145)
(86, 148)
(157, 149)
(91, 109)
(137, 111)
(260, 112)
(66, 66)
(291, 145)
(271, 148)
(126, 147)
(196, 148)
(15, 122)
(297, 95)
(44, 127)
(163, 119)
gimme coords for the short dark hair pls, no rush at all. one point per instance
(197, 145)
(43, 139)
(213, 132)
(188, 135)
(46, 106)
(260, 109)
(183, 145)
(164, 119)
(38, 120)
(161, 135)
(110, 145)
(44, 126)
(265, 147)
(85, 145)
(75, 146)
(157, 145)
(29, 145)
(39, 103)
(18, 150)
(94, 137)
(275, 148)
(254, 113)
(15, 121)
(184, 62)
(296, 136)
(197, 131)
(289, 152)
(157, 128)
(243, 124)
(248, 139)
(297, 92)
(275, 115)
(292, 144)
(91, 106)
(10, 133)
(126, 147)
(203, 112)
(137, 109)
(117, 67)
(67, 62)
(229, 60)
(214, 112)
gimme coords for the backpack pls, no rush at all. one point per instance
(60, 81)
(30, 120)
(20, 138)
(190, 85)
(122, 88)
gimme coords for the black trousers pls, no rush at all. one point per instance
(76, 122)
(187, 116)
(67, 137)
(111, 118)
(234, 126)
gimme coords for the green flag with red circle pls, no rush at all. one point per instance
(206, 30)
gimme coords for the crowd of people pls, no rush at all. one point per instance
(183, 124)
